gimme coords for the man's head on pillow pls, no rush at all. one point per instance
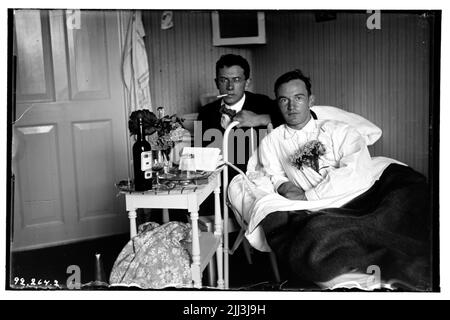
(294, 98)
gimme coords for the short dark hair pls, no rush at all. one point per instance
(293, 75)
(229, 60)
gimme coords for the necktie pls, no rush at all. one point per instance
(230, 112)
(227, 116)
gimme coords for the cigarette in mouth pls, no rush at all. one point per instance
(222, 95)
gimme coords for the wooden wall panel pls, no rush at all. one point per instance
(381, 74)
(182, 59)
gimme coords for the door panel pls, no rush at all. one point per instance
(88, 59)
(94, 164)
(41, 189)
(71, 150)
(34, 74)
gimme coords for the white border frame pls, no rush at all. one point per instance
(218, 41)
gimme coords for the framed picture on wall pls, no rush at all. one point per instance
(238, 27)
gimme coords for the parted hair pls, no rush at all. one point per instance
(293, 75)
(229, 60)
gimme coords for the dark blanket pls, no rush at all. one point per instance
(388, 226)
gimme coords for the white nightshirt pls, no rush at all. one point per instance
(345, 168)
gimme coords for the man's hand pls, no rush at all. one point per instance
(250, 119)
(291, 191)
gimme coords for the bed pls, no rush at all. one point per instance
(379, 238)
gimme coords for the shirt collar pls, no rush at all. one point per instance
(237, 106)
(310, 127)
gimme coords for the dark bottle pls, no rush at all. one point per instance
(141, 145)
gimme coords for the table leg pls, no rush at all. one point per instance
(195, 267)
(212, 267)
(165, 217)
(132, 216)
(212, 276)
(218, 231)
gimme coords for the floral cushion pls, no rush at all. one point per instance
(155, 258)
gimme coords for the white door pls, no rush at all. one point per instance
(71, 141)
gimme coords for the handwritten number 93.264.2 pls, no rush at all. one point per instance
(34, 283)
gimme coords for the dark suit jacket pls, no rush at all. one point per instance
(257, 103)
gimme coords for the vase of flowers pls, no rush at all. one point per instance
(162, 132)
(308, 155)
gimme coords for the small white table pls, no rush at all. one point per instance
(204, 244)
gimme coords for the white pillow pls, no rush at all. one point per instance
(367, 129)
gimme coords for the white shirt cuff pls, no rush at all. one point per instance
(279, 182)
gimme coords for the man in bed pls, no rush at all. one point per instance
(383, 219)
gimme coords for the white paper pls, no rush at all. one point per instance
(206, 159)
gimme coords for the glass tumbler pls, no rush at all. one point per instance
(187, 165)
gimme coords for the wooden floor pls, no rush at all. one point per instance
(52, 263)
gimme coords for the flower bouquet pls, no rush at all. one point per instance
(308, 155)
(163, 132)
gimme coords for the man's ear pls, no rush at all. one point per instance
(247, 84)
(217, 83)
(312, 99)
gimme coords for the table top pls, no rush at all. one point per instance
(188, 197)
(127, 187)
